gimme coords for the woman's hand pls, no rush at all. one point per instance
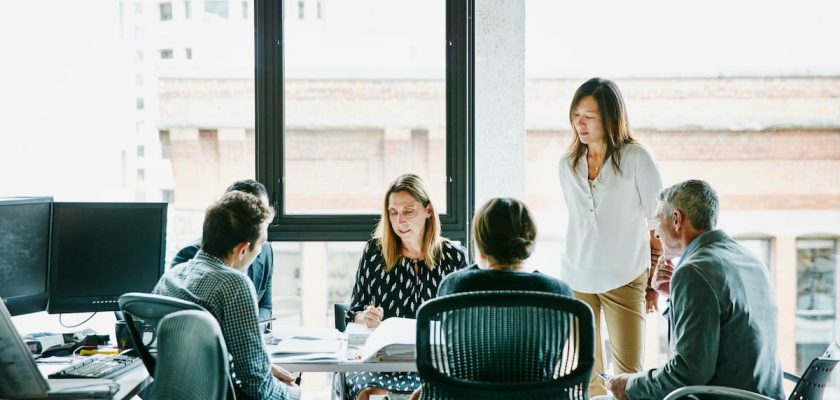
(651, 298)
(372, 316)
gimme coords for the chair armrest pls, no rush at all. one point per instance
(715, 390)
(791, 377)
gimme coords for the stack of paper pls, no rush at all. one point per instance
(303, 344)
(357, 334)
(393, 340)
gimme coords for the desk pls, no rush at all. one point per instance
(131, 384)
(348, 366)
(339, 367)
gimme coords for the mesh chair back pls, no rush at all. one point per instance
(142, 312)
(192, 361)
(505, 344)
(813, 382)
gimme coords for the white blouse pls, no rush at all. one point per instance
(608, 238)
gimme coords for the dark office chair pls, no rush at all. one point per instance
(503, 345)
(340, 310)
(192, 362)
(142, 312)
(808, 387)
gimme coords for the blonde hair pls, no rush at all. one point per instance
(390, 243)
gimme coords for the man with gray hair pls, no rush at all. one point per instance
(723, 313)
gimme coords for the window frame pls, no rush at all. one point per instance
(270, 129)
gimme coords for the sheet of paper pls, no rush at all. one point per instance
(304, 346)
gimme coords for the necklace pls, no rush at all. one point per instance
(597, 163)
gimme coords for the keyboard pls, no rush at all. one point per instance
(109, 367)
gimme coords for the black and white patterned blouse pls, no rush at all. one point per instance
(399, 292)
(403, 289)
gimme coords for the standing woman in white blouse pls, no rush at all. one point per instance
(610, 183)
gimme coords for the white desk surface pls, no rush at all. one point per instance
(348, 366)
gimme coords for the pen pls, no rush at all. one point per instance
(96, 351)
(267, 320)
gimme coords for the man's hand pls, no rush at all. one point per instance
(662, 277)
(373, 316)
(617, 385)
(283, 375)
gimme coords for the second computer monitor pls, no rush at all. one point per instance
(103, 250)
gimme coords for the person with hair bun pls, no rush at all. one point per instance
(504, 233)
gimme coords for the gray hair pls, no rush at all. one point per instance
(696, 199)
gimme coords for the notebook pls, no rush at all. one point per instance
(21, 379)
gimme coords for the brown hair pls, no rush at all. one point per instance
(613, 117)
(504, 229)
(235, 218)
(390, 243)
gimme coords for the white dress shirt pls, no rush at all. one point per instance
(608, 238)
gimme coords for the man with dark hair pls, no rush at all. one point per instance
(723, 313)
(235, 228)
(262, 269)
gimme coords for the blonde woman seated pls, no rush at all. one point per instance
(400, 269)
(504, 233)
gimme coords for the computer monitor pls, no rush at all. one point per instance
(24, 253)
(101, 251)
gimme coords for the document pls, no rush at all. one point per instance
(305, 346)
(393, 340)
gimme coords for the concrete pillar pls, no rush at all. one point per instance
(499, 99)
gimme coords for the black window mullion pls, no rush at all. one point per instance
(270, 141)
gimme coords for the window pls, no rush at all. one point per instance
(139, 103)
(216, 7)
(244, 10)
(166, 54)
(320, 9)
(165, 11)
(188, 53)
(138, 80)
(816, 298)
(165, 149)
(187, 9)
(141, 151)
(138, 7)
(138, 55)
(360, 107)
(689, 97)
(301, 7)
(759, 247)
(167, 196)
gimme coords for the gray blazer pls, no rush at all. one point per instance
(724, 318)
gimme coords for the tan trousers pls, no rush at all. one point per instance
(624, 312)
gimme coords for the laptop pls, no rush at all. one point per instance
(21, 379)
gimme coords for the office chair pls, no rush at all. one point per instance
(192, 361)
(808, 387)
(340, 311)
(143, 311)
(505, 344)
